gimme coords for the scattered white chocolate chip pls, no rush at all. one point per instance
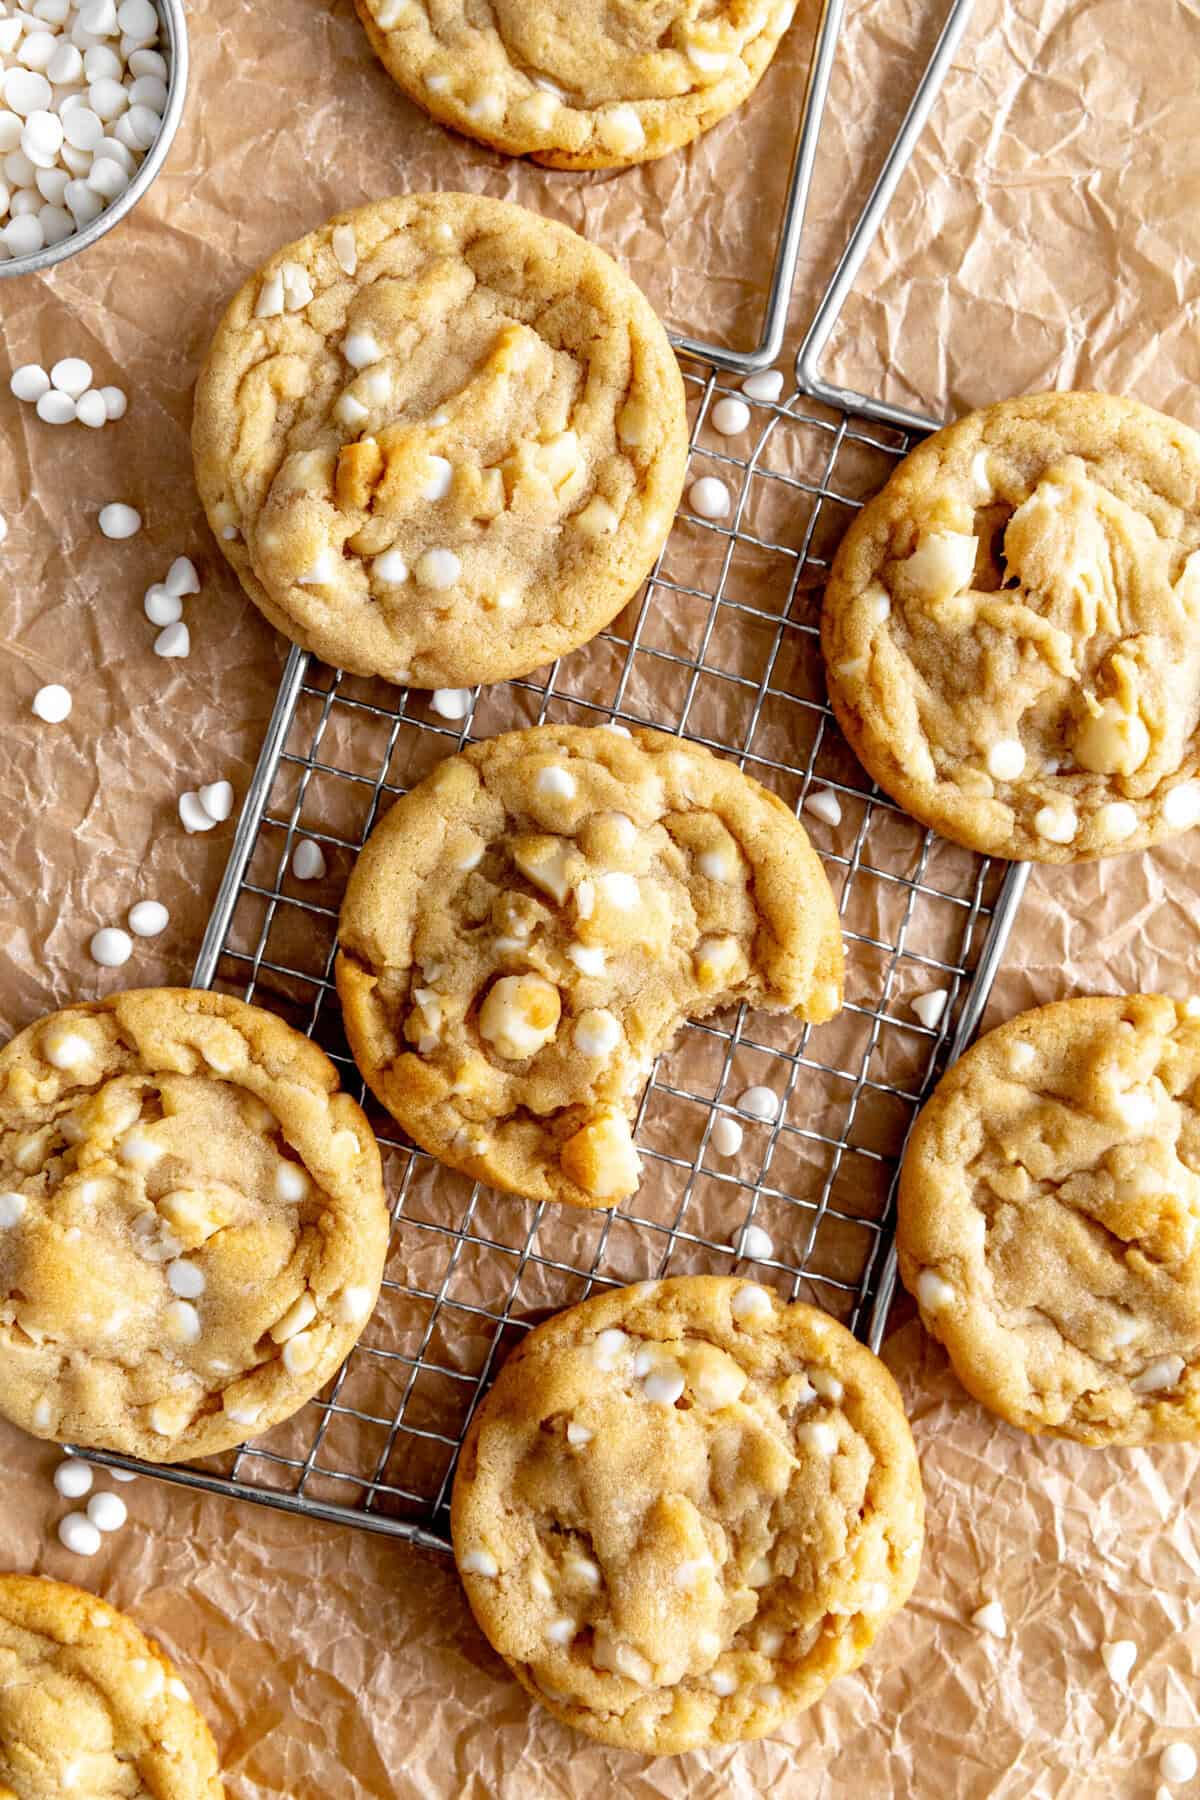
(29, 383)
(116, 403)
(760, 1103)
(147, 918)
(119, 521)
(181, 1322)
(766, 385)
(108, 1512)
(322, 570)
(192, 815)
(52, 703)
(589, 959)
(620, 889)
(726, 1136)
(520, 1015)
(345, 249)
(299, 1315)
(941, 565)
(71, 375)
(610, 1344)
(361, 348)
(578, 1435)
(438, 478)
(561, 1630)
(555, 783)
(723, 1682)
(818, 1435)
(709, 498)
(181, 578)
(663, 1384)
(217, 800)
(185, 1279)
(1165, 1372)
(934, 1292)
(1020, 1057)
(160, 607)
(1181, 808)
(300, 1353)
(110, 947)
(687, 1573)
(479, 1562)
(1118, 1657)
(930, 1007)
(824, 804)
(990, 1618)
(65, 1049)
(73, 1478)
(753, 1242)
(451, 703)
(12, 1210)
(54, 408)
(1177, 1763)
(77, 1534)
(174, 640)
(43, 1414)
(750, 1303)
(353, 1305)
(1056, 823)
(1136, 1108)
(730, 416)
(308, 861)
(390, 569)
(1005, 759)
(582, 1570)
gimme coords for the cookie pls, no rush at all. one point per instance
(684, 1508)
(192, 1223)
(440, 440)
(525, 930)
(1012, 629)
(577, 84)
(1048, 1214)
(90, 1706)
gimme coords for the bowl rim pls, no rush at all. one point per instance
(172, 15)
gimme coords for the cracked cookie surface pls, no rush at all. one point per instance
(90, 1706)
(578, 84)
(525, 930)
(684, 1508)
(192, 1223)
(1049, 1219)
(1012, 629)
(440, 440)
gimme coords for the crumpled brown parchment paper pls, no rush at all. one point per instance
(1046, 234)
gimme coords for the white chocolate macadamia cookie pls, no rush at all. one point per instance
(90, 1709)
(440, 440)
(1049, 1219)
(192, 1223)
(577, 84)
(525, 930)
(1012, 629)
(684, 1508)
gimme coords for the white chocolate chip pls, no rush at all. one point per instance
(596, 1032)
(709, 498)
(181, 578)
(361, 348)
(620, 890)
(390, 569)
(1116, 821)
(119, 521)
(1020, 1057)
(722, 1682)
(582, 1570)
(578, 1435)
(345, 249)
(111, 947)
(185, 1279)
(726, 1136)
(599, 518)
(108, 1512)
(1006, 759)
(73, 1478)
(730, 416)
(291, 1183)
(819, 1436)
(826, 1384)
(751, 1304)
(192, 815)
(1056, 823)
(561, 1630)
(824, 804)
(217, 800)
(300, 1353)
(759, 1573)
(147, 918)
(182, 1322)
(555, 783)
(1118, 1658)
(930, 1007)
(941, 565)
(43, 1415)
(1165, 1372)
(437, 569)
(760, 1103)
(664, 1384)
(478, 1562)
(719, 1385)
(308, 860)
(137, 1151)
(620, 129)
(243, 1415)
(990, 1618)
(52, 703)
(610, 1345)
(77, 1534)
(934, 1292)
(589, 959)
(353, 1305)
(65, 1049)
(520, 1015)
(754, 1243)
(175, 640)
(687, 1574)
(170, 1415)
(438, 478)
(451, 703)
(766, 385)
(1178, 1763)
(1181, 808)
(299, 1314)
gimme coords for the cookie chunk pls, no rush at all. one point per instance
(684, 1508)
(1049, 1206)
(577, 84)
(440, 440)
(192, 1223)
(89, 1706)
(1012, 629)
(526, 929)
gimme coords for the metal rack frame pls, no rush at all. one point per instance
(813, 469)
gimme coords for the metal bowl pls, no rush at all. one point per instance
(174, 46)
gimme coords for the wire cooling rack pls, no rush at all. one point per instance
(722, 647)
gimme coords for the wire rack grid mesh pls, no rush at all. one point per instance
(721, 647)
